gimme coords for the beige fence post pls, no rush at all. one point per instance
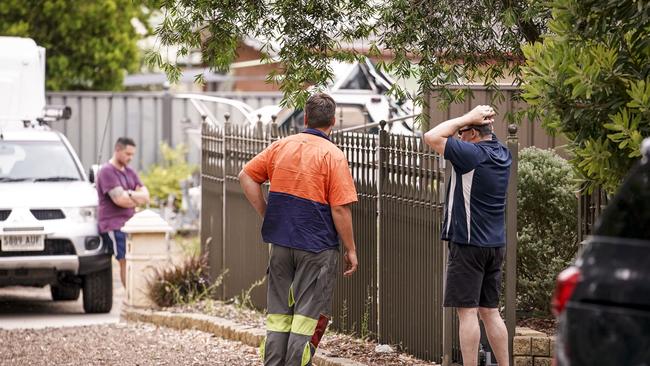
(511, 239)
(148, 247)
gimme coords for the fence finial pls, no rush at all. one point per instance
(512, 130)
(274, 127)
(259, 117)
(226, 116)
(382, 124)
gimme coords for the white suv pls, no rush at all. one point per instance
(48, 224)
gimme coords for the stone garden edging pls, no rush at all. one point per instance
(220, 327)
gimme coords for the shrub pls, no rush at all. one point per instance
(185, 283)
(546, 225)
(163, 180)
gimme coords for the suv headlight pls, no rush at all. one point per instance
(81, 214)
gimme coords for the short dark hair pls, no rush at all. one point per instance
(484, 130)
(123, 142)
(320, 110)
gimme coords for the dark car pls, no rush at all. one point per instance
(603, 301)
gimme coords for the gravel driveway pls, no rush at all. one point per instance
(120, 344)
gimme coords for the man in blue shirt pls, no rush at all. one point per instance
(475, 226)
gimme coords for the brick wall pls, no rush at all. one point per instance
(532, 348)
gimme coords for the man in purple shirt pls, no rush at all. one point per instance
(120, 191)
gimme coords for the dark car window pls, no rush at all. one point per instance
(628, 214)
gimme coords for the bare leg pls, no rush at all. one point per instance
(122, 271)
(497, 334)
(470, 335)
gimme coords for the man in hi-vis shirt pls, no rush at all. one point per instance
(308, 210)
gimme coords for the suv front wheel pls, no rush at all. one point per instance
(98, 291)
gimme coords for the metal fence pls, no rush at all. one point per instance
(396, 295)
(411, 254)
(229, 225)
(590, 206)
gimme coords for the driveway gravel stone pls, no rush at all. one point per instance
(120, 344)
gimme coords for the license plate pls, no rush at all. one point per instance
(19, 243)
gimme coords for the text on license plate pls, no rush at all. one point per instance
(18, 243)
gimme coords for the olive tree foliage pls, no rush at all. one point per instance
(439, 42)
(590, 80)
(90, 45)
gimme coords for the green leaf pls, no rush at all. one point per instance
(617, 136)
(613, 127)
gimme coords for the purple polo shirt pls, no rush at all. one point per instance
(111, 216)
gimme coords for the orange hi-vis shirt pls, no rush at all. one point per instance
(308, 175)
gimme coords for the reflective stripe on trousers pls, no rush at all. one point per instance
(300, 286)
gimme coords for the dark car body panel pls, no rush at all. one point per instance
(607, 318)
(616, 271)
(593, 334)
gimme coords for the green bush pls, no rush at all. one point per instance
(546, 226)
(163, 180)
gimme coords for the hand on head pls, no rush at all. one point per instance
(480, 115)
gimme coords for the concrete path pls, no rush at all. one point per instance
(33, 308)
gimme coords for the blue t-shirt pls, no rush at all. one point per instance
(476, 193)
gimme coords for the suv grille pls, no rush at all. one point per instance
(4, 214)
(48, 214)
(52, 247)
